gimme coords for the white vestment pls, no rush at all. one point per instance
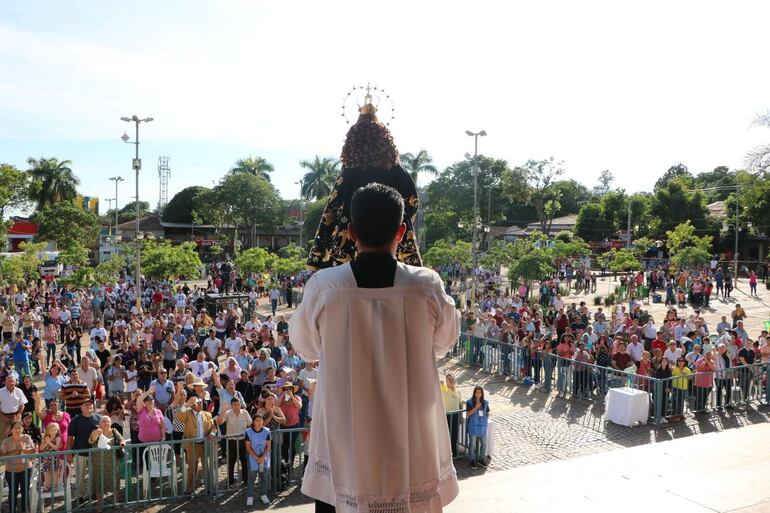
(379, 439)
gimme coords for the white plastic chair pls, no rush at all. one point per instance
(158, 462)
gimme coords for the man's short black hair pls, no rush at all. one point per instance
(376, 213)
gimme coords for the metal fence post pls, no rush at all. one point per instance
(767, 383)
(658, 398)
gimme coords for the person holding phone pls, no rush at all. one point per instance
(477, 416)
(290, 404)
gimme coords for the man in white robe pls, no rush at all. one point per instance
(379, 438)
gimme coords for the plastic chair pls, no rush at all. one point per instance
(60, 488)
(156, 466)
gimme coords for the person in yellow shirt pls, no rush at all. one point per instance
(681, 378)
(453, 402)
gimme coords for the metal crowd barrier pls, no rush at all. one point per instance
(570, 378)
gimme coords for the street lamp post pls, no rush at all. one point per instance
(475, 172)
(137, 165)
(109, 222)
(116, 179)
(301, 211)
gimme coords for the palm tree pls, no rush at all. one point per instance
(416, 164)
(52, 181)
(319, 180)
(758, 159)
(256, 166)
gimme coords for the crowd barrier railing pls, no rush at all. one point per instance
(574, 378)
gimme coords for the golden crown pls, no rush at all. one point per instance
(372, 99)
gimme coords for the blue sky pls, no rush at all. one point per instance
(624, 86)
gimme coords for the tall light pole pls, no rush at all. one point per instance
(137, 165)
(737, 213)
(301, 211)
(109, 222)
(475, 172)
(116, 179)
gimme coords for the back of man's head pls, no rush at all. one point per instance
(376, 213)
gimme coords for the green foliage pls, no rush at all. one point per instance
(534, 265)
(288, 266)
(564, 236)
(535, 182)
(560, 250)
(67, 225)
(683, 236)
(14, 189)
(592, 224)
(109, 270)
(254, 166)
(604, 183)
(75, 255)
(84, 276)
(164, 261)
(181, 207)
(255, 260)
(445, 252)
(690, 256)
(128, 212)
(597, 300)
(623, 260)
(499, 254)
(293, 251)
(319, 180)
(641, 245)
(20, 268)
(52, 181)
(249, 200)
(678, 173)
(674, 203)
(312, 214)
(216, 249)
(414, 164)
(441, 224)
(755, 201)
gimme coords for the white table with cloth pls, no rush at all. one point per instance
(627, 406)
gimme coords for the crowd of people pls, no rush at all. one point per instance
(88, 368)
(584, 345)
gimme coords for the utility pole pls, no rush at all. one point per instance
(476, 219)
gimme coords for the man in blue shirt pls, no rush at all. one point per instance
(21, 349)
(164, 390)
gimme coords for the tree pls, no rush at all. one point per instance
(416, 164)
(758, 159)
(500, 254)
(683, 236)
(622, 260)
(690, 256)
(319, 180)
(75, 255)
(755, 202)
(534, 182)
(312, 218)
(255, 166)
(534, 265)
(605, 183)
(67, 225)
(249, 200)
(52, 181)
(591, 223)
(448, 253)
(452, 191)
(109, 270)
(255, 260)
(128, 212)
(571, 195)
(678, 172)
(165, 262)
(292, 251)
(288, 266)
(14, 189)
(19, 268)
(181, 207)
(673, 204)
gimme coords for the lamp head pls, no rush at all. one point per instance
(147, 120)
(124, 118)
(468, 132)
(124, 137)
(483, 133)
